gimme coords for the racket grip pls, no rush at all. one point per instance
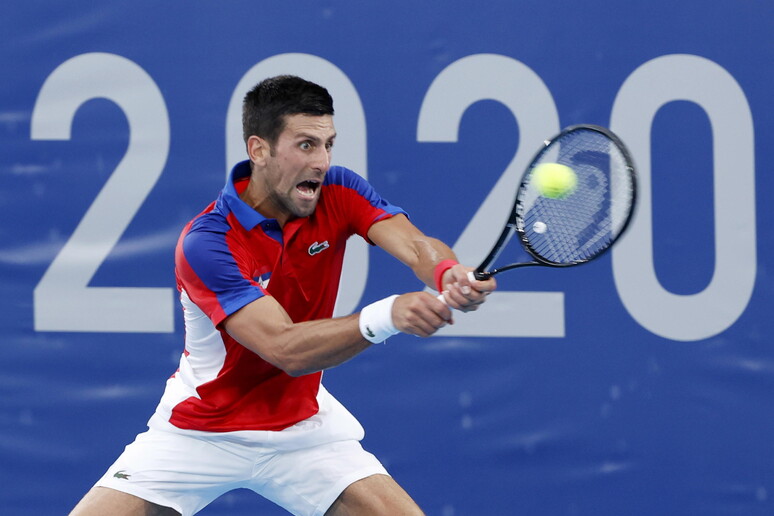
(478, 275)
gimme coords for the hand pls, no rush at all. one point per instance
(463, 294)
(420, 313)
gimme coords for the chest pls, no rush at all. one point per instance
(299, 265)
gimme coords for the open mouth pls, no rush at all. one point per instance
(308, 188)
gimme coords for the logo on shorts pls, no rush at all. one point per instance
(122, 475)
(317, 247)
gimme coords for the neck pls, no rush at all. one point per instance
(259, 200)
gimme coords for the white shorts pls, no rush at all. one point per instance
(187, 471)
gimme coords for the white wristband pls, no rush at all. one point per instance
(376, 320)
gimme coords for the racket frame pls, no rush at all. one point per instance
(515, 223)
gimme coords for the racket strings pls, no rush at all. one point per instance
(576, 228)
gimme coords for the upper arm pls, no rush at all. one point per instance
(258, 326)
(213, 271)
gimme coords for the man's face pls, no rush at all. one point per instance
(298, 163)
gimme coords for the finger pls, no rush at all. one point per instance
(456, 298)
(439, 313)
(424, 315)
(466, 297)
(485, 286)
(424, 328)
(447, 299)
(443, 309)
(469, 284)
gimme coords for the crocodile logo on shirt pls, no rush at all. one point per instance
(317, 248)
(122, 475)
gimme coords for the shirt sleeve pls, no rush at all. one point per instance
(365, 205)
(208, 269)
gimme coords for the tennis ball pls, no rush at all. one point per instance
(554, 180)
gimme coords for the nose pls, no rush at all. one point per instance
(322, 159)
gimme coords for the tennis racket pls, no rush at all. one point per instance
(583, 224)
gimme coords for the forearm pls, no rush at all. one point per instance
(297, 348)
(423, 254)
(413, 248)
(265, 328)
(429, 253)
(312, 346)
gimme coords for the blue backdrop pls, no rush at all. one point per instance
(640, 384)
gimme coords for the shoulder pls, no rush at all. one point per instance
(351, 181)
(343, 176)
(205, 233)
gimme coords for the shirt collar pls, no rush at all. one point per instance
(246, 215)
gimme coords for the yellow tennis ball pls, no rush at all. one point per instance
(554, 180)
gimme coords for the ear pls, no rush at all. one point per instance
(258, 150)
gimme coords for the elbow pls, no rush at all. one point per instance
(282, 354)
(293, 365)
(283, 350)
(295, 373)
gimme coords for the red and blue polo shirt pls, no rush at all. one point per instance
(229, 256)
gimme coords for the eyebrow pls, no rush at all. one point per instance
(306, 136)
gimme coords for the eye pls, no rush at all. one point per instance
(329, 146)
(305, 145)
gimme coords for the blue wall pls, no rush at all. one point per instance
(640, 384)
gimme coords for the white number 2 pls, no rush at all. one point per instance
(63, 299)
(520, 89)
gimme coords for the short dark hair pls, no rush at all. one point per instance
(266, 105)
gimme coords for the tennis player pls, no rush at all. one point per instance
(258, 273)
